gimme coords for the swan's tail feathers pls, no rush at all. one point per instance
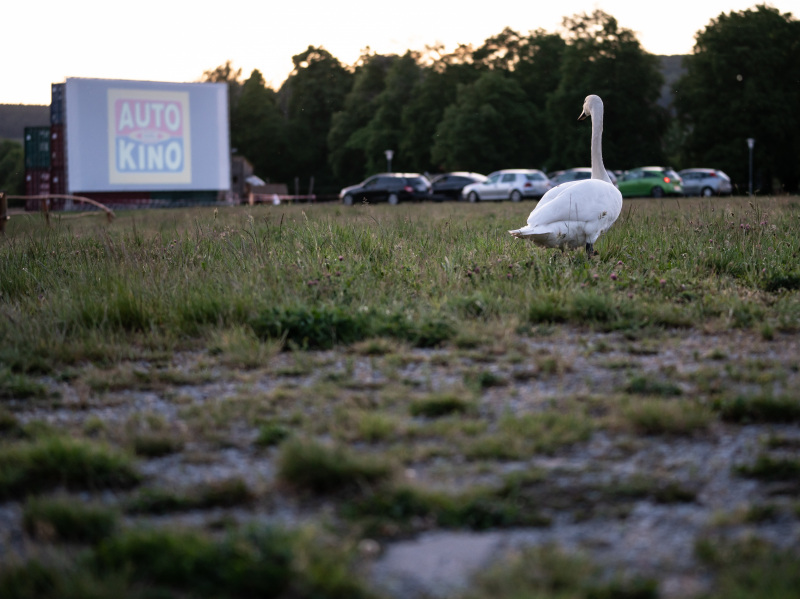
(521, 233)
(543, 239)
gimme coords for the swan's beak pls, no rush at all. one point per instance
(583, 115)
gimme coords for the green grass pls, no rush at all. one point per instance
(437, 405)
(759, 408)
(159, 300)
(148, 563)
(68, 519)
(154, 281)
(312, 466)
(656, 416)
(769, 468)
(549, 573)
(223, 493)
(391, 509)
(750, 568)
(45, 463)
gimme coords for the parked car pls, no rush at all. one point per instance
(387, 187)
(509, 184)
(576, 174)
(449, 185)
(705, 182)
(654, 181)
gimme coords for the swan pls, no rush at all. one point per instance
(576, 213)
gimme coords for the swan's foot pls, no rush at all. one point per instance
(590, 251)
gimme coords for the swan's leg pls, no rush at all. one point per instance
(590, 249)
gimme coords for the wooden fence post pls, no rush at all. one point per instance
(45, 205)
(3, 212)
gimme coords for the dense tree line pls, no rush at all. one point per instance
(513, 102)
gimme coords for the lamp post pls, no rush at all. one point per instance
(750, 143)
(389, 155)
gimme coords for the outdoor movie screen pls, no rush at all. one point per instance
(146, 135)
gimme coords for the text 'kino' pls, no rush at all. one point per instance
(142, 115)
(149, 157)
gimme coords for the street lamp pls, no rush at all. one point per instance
(389, 155)
(750, 143)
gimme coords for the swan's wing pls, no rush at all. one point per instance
(585, 200)
(554, 193)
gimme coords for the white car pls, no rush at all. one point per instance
(509, 184)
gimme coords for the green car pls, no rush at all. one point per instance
(653, 181)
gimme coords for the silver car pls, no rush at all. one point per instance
(705, 182)
(509, 184)
(577, 174)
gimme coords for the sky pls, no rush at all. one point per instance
(47, 41)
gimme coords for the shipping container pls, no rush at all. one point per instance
(57, 145)
(58, 181)
(57, 104)
(37, 147)
(37, 182)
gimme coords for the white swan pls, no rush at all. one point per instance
(576, 213)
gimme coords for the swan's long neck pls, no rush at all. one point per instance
(598, 170)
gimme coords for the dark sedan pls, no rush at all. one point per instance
(449, 185)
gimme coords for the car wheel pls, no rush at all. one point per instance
(657, 192)
(473, 197)
(393, 199)
(707, 192)
(516, 196)
(347, 200)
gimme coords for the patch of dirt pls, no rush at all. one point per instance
(644, 531)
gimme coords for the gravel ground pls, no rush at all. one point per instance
(647, 538)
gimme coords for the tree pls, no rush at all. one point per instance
(349, 134)
(435, 90)
(742, 81)
(313, 92)
(258, 130)
(487, 128)
(385, 129)
(12, 167)
(604, 59)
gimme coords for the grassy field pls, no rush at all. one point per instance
(410, 368)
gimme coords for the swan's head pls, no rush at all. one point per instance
(590, 104)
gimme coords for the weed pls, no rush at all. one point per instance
(760, 408)
(651, 416)
(20, 386)
(643, 385)
(155, 444)
(223, 493)
(271, 433)
(483, 379)
(48, 462)
(239, 347)
(312, 466)
(256, 563)
(407, 506)
(549, 573)
(750, 568)
(68, 519)
(769, 468)
(519, 437)
(438, 405)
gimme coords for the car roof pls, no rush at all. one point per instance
(516, 171)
